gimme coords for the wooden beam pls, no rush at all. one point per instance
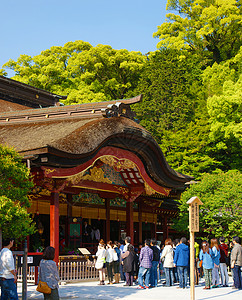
(54, 224)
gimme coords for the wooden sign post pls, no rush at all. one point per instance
(194, 203)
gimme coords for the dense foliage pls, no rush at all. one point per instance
(174, 110)
(81, 71)
(209, 28)
(15, 185)
(221, 212)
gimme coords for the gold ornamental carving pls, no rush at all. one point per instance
(96, 174)
(149, 191)
(48, 171)
(117, 164)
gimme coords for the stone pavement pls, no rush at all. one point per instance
(91, 291)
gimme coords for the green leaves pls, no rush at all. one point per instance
(81, 72)
(14, 219)
(209, 28)
(221, 213)
(15, 185)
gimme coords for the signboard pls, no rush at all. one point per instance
(30, 260)
(84, 251)
(194, 203)
(33, 259)
(194, 211)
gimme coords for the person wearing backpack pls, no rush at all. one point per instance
(223, 262)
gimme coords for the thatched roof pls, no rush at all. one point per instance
(73, 134)
(15, 92)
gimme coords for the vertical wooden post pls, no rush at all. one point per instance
(192, 266)
(194, 203)
(69, 215)
(130, 220)
(107, 206)
(140, 223)
(54, 224)
(24, 285)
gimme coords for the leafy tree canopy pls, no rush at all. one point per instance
(221, 212)
(81, 71)
(174, 111)
(226, 113)
(170, 83)
(223, 83)
(14, 219)
(15, 185)
(210, 28)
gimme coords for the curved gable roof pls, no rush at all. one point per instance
(76, 133)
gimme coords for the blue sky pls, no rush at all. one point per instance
(30, 26)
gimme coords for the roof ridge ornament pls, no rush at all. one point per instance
(118, 109)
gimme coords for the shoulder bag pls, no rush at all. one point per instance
(43, 286)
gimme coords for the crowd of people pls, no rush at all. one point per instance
(142, 266)
(145, 264)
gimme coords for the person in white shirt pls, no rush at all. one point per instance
(127, 242)
(101, 259)
(168, 255)
(109, 261)
(8, 276)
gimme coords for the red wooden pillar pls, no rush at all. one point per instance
(130, 220)
(107, 206)
(54, 224)
(140, 223)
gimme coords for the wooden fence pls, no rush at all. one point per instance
(74, 271)
(69, 271)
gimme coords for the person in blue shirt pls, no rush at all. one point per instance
(215, 256)
(207, 263)
(181, 261)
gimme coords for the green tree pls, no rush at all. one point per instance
(174, 110)
(223, 83)
(221, 212)
(81, 71)
(210, 28)
(15, 185)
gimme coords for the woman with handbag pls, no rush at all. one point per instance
(48, 274)
(100, 262)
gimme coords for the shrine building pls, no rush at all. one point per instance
(90, 162)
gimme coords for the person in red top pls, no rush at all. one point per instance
(223, 262)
